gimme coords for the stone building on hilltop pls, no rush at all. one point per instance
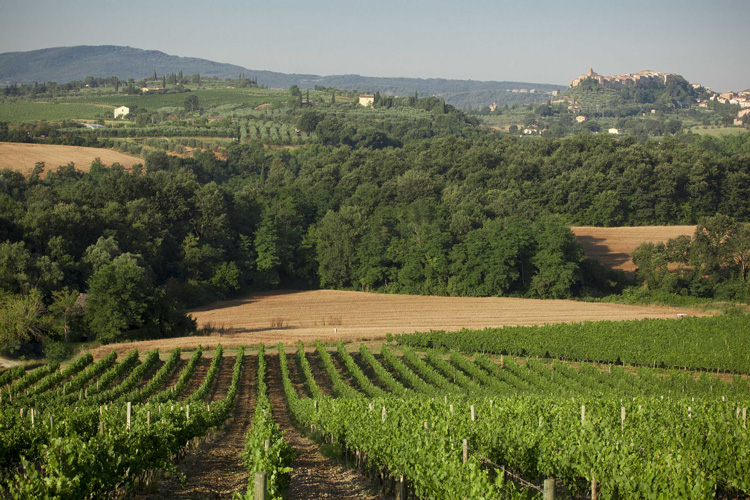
(645, 77)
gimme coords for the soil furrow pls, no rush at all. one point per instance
(314, 476)
(320, 373)
(197, 379)
(215, 469)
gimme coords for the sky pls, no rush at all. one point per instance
(539, 41)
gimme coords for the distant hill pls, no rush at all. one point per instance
(64, 64)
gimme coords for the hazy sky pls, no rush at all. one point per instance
(544, 41)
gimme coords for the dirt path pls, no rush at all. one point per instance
(8, 363)
(215, 469)
(314, 476)
(197, 379)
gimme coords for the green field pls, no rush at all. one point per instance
(25, 111)
(208, 98)
(718, 131)
(89, 106)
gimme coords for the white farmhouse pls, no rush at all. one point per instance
(122, 111)
(615, 131)
(366, 100)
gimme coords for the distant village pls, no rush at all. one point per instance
(648, 77)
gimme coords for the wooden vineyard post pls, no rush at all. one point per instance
(583, 413)
(260, 486)
(51, 423)
(101, 428)
(622, 418)
(465, 446)
(148, 418)
(401, 488)
(451, 408)
(127, 421)
(549, 489)
(472, 413)
(382, 415)
(266, 445)
(187, 412)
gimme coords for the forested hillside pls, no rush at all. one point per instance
(477, 216)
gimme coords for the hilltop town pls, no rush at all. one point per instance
(649, 77)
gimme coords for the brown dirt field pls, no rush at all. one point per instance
(612, 246)
(312, 315)
(22, 157)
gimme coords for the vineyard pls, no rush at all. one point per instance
(420, 423)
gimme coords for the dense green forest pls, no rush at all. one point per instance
(114, 254)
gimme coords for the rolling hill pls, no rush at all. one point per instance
(64, 64)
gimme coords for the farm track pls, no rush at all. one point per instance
(314, 476)
(215, 469)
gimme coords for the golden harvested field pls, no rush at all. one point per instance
(310, 315)
(612, 246)
(22, 157)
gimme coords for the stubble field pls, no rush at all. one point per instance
(612, 246)
(331, 315)
(22, 157)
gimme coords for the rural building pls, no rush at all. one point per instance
(743, 112)
(580, 118)
(493, 106)
(615, 131)
(122, 111)
(366, 100)
(150, 89)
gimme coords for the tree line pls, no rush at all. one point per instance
(114, 254)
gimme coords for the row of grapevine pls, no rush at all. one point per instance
(649, 446)
(266, 450)
(381, 434)
(59, 451)
(710, 343)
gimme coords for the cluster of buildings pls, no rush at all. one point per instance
(645, 77)
(532, 91)
(741, 99)
(648, 77)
